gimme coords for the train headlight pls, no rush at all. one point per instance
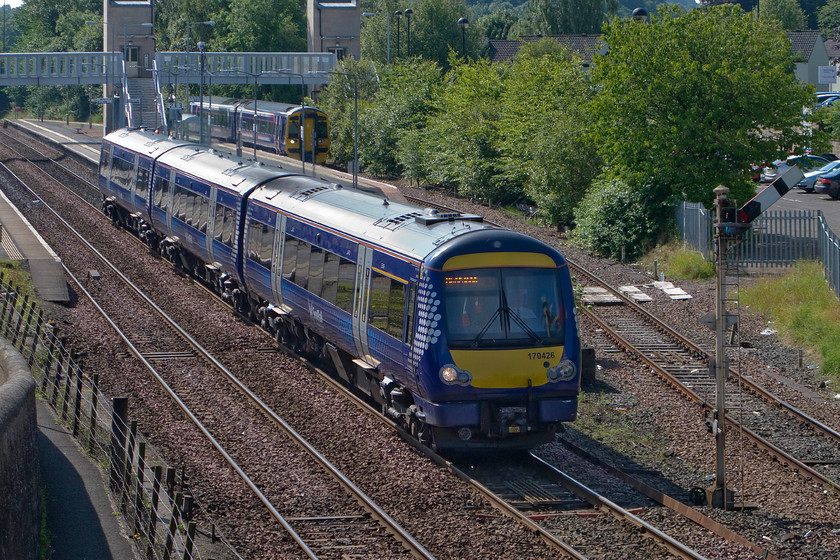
(451, 375)
(563, 371)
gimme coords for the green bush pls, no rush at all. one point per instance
(615, 216)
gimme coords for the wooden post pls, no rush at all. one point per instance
(77, 410)
(7, 295)
(129, 460)
(59, 367)
(190, 539)
(94, 402)
(119, 430)
(24, 322)
(71, 368)
(19, 320)
(37, 338)
(8, 320)
(153, 514)
(138, 495)
(173, 527)
(48, 366)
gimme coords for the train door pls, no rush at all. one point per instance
(360, 300)
(276, 265)
(211, 226)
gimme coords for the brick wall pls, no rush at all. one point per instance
(20, 506)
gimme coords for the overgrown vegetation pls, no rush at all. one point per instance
(679, 262)
(15, 275)
(804, 311)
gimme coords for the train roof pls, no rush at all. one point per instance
(409, 230)
(143, 141)
(248, 105)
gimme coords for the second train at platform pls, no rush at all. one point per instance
(277, 130)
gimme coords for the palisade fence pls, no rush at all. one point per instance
(778, 238)
(156, 507)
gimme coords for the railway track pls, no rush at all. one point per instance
(174, 356)
(357, 524)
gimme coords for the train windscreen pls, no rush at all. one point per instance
(503, 307)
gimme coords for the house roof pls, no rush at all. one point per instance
(802, 43)
(585, 45)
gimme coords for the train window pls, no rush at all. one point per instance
(321, 130)
(105, 163)
(412, 302)
(188, 206)
(260, 243)
(316, 270)
(293, 127)
(302, 264)
(219, 222)
(329, 286)
(289, 257)
(203, 207)
(176, 202)
(346, 285)
(230, 224)
(161, 196)
(386, 310)
(142, 183)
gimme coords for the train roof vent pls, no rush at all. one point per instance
(393, 222)
(432, 216)
(303, 195)
(230, 171)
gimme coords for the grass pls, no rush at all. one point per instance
(14, 274)
(804, 310)
(679, 262)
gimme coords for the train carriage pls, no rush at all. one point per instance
(277, 127)
(464, 332)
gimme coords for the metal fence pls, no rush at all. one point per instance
(775, 239)
(154, 506)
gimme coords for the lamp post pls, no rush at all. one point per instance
(388, 46)
(408, 13)
(398, 14)
(463, 23)
(208, 23)
(201, 94)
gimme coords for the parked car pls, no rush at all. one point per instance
(806, 163)
(808, 183)
(829, 184)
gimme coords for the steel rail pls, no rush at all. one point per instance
(591, 496)
(389, 523)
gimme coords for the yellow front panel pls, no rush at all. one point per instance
(496, 260)
(503, 369)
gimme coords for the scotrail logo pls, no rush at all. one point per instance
(315, 314)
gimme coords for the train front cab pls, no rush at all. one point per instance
(502, 365)
(316, 132)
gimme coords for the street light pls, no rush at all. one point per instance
(398, 14)
(208, 23)
(408, 13)
(463, 23)
(388, 47)
(201, 58)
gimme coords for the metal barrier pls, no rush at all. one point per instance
(775, 239)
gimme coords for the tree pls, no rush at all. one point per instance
(462, 138)
(544, 129)
(497, 24)
(787, 12)
(692, 99)
(434, 31)
(828, 18)
(557, 17)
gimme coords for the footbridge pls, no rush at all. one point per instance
(137, 95)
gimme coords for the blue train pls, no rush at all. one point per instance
(277, 126)
(464, 332)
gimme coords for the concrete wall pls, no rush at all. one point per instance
(20, 473)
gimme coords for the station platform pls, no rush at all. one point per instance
(20, 242)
